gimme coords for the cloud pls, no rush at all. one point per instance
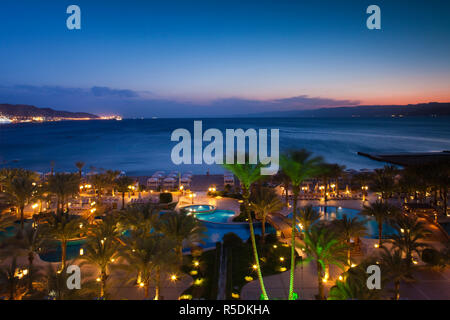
(105, 92)
(130, 103)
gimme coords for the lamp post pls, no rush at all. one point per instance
(364, 191)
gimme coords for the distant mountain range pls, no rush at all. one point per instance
(422, 109)
(27, 111)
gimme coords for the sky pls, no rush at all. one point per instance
(222, 57)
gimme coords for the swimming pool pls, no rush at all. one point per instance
(199, 208)
(221, 216)
(216, 231)
(54, 253)
(331, 213)
(216, 223)
(217, 226)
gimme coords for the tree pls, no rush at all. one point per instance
(102, 249)
(123, 184)
(384, 181)
(353, 285)
(324, 247)
(144, 258)
(410, 231)
(298, 166)
(9, 278)
(362, 179)
(164, 259)
(397, 269)
(63, 227)
(307, 217)
(29, 244)
(382, 212)
(63, 185)
(330, 172)
(183, 229)
(264, 201)
(141, 219)
(55, 281)
(347, 229)
(79, 165)
(20, 188)
(248, 174)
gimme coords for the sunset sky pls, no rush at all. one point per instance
(179, 58)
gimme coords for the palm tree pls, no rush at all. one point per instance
(29, 242)
(353, 285)
(122, 184)
(349, 228)
(362, 179)
(110, 177)
(9, 278)
(336, 172)
(264, 201)
(324, 247)
(140, 219)
(140, 254)
(397, 269)
(298, 166)
(330, 171)
(382, 212)
(384, 181)
(63, 227)
(101, 249)
(164, 258)
(55, 281)
(248, 174)
(100, 182)
(183, 229)
(410, 231)
(21, 188)
(79, 165)
(307, 217)
(63, 185)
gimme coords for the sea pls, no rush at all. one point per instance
(140, 147)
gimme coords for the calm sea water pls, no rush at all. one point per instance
(140, 147)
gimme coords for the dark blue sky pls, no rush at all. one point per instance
(179, 58)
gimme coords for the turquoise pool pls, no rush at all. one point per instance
(216, 223)
(221, 216)
(331, 213)
(199, 208)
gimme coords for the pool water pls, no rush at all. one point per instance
(220, 216)
(199, 208)
(54, 254)
(217, 226)
(216, 231)
(331, 213)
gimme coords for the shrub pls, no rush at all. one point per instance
(232, 240)
(165, 197)
(432, 257)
